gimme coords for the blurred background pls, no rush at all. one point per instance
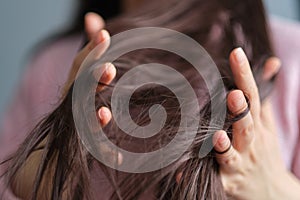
(25, 23)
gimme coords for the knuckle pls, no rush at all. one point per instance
(231, 189)
(252, 92)
(235, 185)
(230, 159)
(248, 129)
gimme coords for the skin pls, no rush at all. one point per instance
(24, 181)
(251, 169)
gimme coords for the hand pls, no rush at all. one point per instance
(94, 25)
(251, 167)
(98, 44)
(94, 29)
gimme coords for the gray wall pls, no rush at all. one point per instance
(284, 8)
(24, 23)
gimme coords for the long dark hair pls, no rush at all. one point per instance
(219, 26)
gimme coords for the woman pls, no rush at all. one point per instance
(41, 85)
(179, 179)
(74, 165)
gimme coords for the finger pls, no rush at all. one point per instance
(82, 58)
(267, 116)
(93, 24)
(104, 115)
(109, 154)
(98, 47)
(243, 133)
(228, 157)
(271, 68)
(101, 37)
(244, 79)
(106, 73)
(178, 177)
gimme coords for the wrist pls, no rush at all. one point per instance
(287, 186)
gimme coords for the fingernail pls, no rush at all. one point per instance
(104, 35)
(222, 141)
(237, 101)
(107, 71)
(103, 113)
(240, 56)
(100, 37)
(120, 159)
(178, 177)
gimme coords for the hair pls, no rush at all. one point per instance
(107, 10)
(219, 26)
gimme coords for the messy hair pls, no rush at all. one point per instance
(66, 169)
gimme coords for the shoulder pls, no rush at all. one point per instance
(285, 27)
(285, 98)
(39, 89)
(286, 40)
(51, 62)
(48, 69)
(60, 50)
(285, 34)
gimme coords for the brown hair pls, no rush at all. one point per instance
(219, 26)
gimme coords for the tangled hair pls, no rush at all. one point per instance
(66, 168)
